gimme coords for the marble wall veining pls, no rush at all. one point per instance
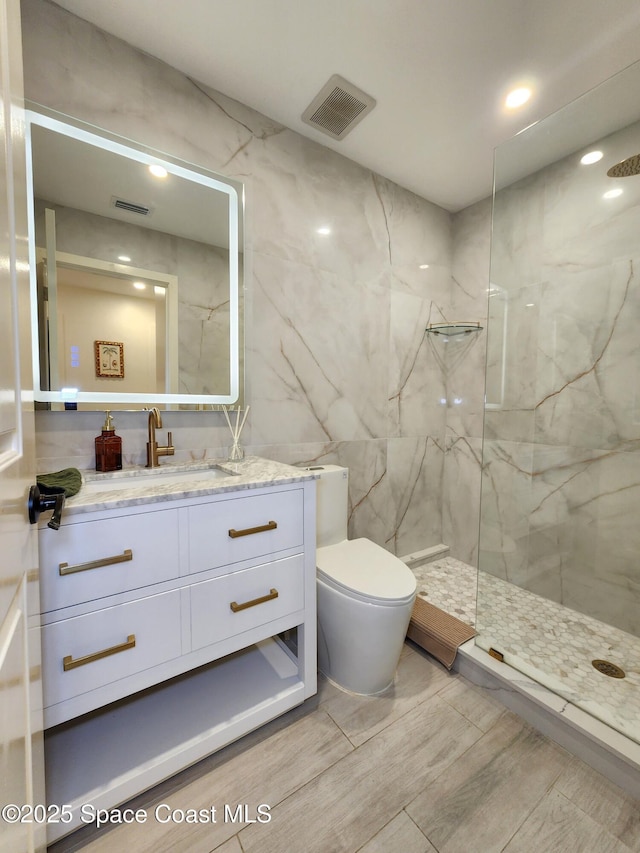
(561, 483)
(338, 368)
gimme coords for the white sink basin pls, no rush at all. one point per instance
(151, 478)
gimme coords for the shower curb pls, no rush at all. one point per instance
(609, 752)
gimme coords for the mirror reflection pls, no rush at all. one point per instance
(136, 262)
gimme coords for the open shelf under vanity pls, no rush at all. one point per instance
(108, 756)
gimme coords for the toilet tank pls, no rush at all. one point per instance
(332, 504)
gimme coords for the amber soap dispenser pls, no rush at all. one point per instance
(108, 447)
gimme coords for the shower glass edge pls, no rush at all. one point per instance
(558, 568)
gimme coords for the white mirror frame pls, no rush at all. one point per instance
(142, 156)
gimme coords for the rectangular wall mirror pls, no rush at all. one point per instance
(136, 270)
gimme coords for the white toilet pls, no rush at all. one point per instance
(365, 596)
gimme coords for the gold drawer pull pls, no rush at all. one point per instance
(271, 525)
(273, 593)
(66, 569)
(69, 663)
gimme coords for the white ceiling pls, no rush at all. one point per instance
(86, 177)
(438, 69)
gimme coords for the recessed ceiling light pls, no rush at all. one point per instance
(424, 266)
(139, 285)
(612, 193)
(530, 305)
(158, 171)
(124, 258)
(324, 230)
(591, 157)
(517, 97)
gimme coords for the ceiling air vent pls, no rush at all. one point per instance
(130, 206)
(338, 108)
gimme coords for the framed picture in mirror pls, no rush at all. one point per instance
(109, 359)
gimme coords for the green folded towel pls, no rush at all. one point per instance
(69, 481)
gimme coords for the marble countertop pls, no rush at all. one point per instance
(139, 486)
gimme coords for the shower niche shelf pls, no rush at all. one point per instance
(452, 330)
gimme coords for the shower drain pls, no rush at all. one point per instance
(608, 668)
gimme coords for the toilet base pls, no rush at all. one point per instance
(353, 692)
(359, 643)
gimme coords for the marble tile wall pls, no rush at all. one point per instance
(561, 484)
(338, 368)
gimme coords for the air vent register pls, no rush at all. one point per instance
(338, 108)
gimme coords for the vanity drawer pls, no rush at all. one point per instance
(135, 636)
(235, 603)
(91, 559)
(243, 528)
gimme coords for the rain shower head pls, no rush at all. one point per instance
(626, 168)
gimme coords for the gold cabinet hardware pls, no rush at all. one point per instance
(273, 593)
(69, 663)
(66, 569)
(248, 531)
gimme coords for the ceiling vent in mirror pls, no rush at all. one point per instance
(130, 206)
(338, 107)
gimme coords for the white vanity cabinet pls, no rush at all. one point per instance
(163, 633)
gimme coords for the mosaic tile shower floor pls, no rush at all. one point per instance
(546, 641)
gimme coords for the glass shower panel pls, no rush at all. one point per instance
(559, 574)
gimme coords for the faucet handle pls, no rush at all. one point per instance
(169, 441)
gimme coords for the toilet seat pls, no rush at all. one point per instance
(365, 571)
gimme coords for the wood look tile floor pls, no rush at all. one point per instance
(435, 764)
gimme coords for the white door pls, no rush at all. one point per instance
(21, 766)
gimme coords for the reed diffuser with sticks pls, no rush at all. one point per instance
(237, 451)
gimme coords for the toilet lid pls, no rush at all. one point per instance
(361, 566)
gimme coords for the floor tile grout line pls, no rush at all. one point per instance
(390, 821)
(418, 702)
(474, 745)
(577, 806)
(414, 794)
(375, 835)
(310, 780)
(424, 835)
(391, 722)
(540, 800)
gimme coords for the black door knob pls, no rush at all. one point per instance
(38, 503)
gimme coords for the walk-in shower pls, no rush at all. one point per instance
(559, 558)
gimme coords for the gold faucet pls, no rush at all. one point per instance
(153, 451)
